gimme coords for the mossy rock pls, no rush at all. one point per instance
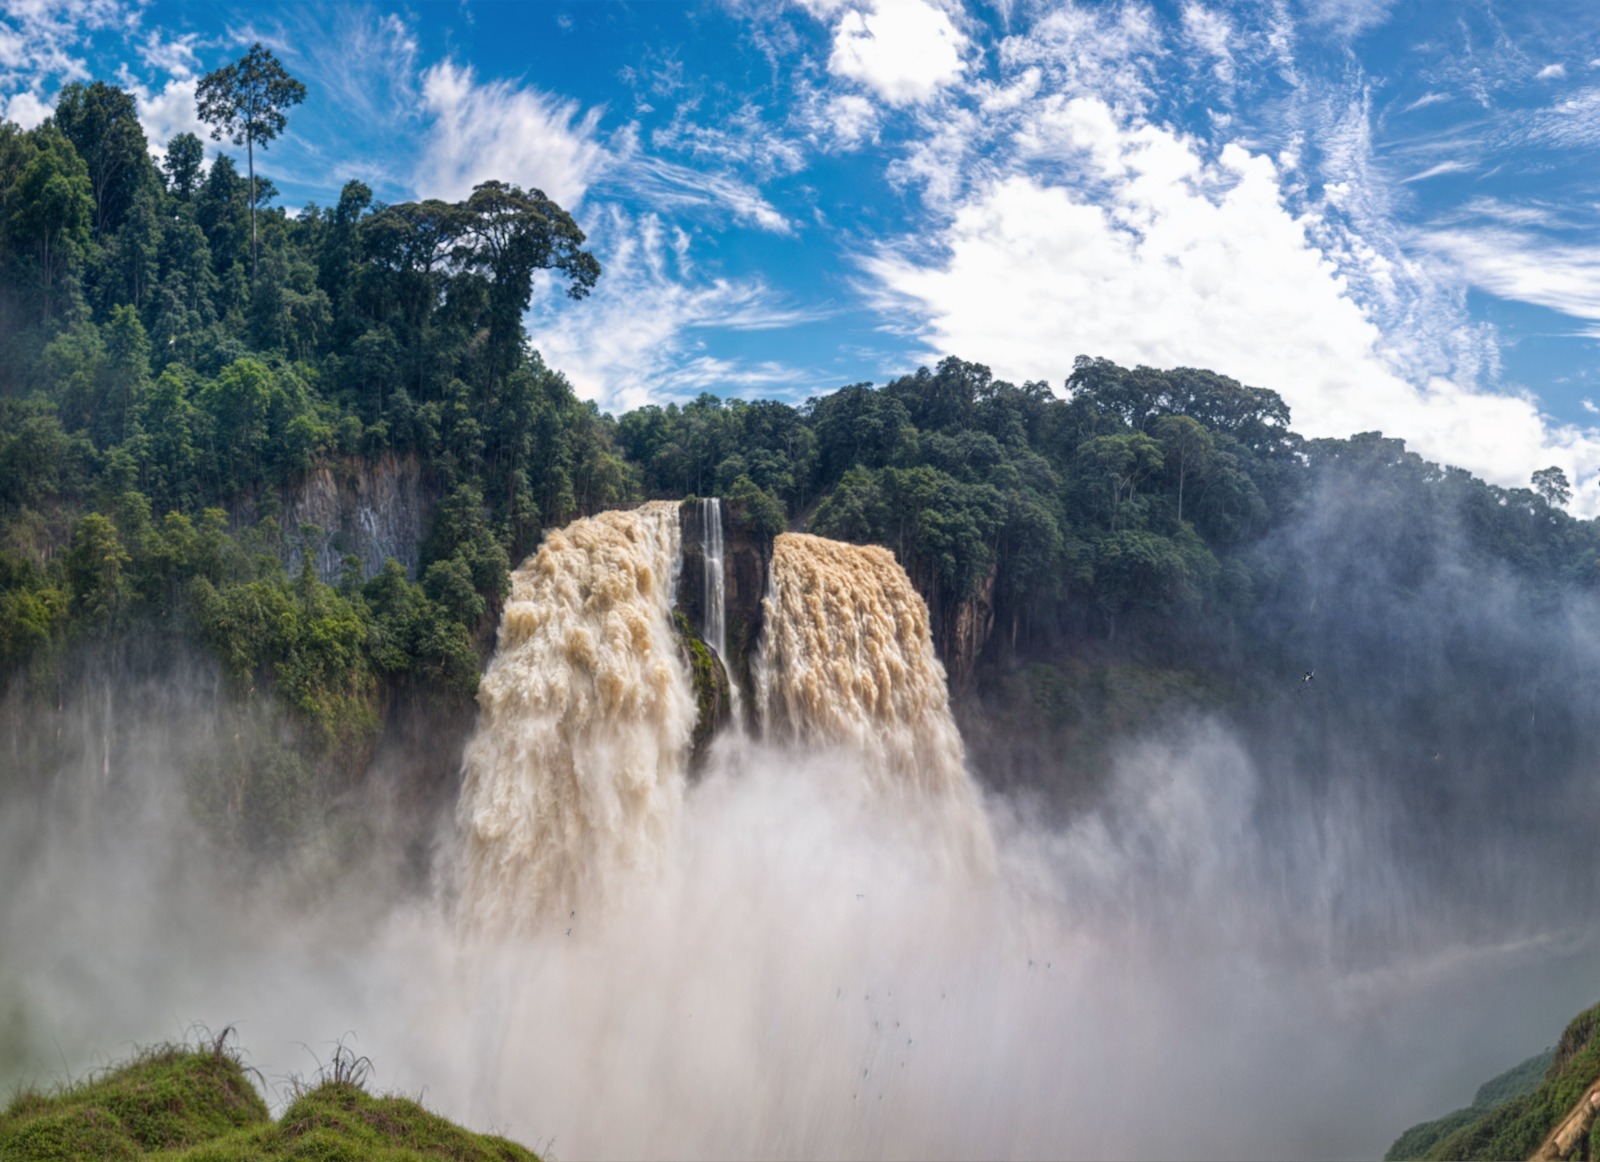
(713, 699)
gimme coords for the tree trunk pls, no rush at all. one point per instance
(250, 152)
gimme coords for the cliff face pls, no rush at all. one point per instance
(373, 509)
(963, 631)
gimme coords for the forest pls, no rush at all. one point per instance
(177, 350)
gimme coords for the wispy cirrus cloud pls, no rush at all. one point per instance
(666, 185)
(1521, 265)
(479, 130)
(1440, 170)
(640, 337)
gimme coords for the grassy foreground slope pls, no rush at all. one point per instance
(198, 1105)
(1515, 1114)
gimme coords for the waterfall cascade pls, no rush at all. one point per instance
(575, 774)
(847, 662)
(715, 627)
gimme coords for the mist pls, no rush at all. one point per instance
(1278, 930)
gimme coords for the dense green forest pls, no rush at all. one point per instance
(175, 354)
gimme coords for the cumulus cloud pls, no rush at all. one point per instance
(37, 39)
(1175, 260)
(168, 112)
(498, 130)
(27, 109)
(905, 50)
(1551, 72)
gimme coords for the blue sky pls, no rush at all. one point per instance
(1386, 211)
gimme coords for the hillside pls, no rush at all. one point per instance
(1542, 1108)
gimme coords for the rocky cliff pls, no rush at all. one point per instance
(369, 509)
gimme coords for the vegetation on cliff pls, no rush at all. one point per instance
(1513, 1115)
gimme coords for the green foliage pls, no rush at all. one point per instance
(712, 687)
(245, 102)
(49, 208)
(167, 1098)
(1513, 1083)
(198, 1105)
(1512, 1114)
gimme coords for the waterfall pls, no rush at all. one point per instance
(574, 776)
(714, 601)
(715, 620)
(847, 663)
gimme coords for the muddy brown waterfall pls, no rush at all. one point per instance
(575, 774)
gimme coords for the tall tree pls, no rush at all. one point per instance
(102, 122)
(245, 102)
(51, 206)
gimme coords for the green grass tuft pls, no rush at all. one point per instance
(198, 1105)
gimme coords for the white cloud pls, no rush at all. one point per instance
(1100, 50)
(1349, 18)
(906, 50)
(1589, 406)
(634, 341)
(169, 112)
(837, 121)
(175, 56)
(667, 185)
(27, 109)
(1425, 100)
(743, 138)
(37, 38)
(497, 130)
(1177, 260)
(1211, 33)
(1444, 167)
(1571, 123)
(1551, 72)
(1523, 266)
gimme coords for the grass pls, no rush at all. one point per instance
(198, 1104)
(1514, 1113)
